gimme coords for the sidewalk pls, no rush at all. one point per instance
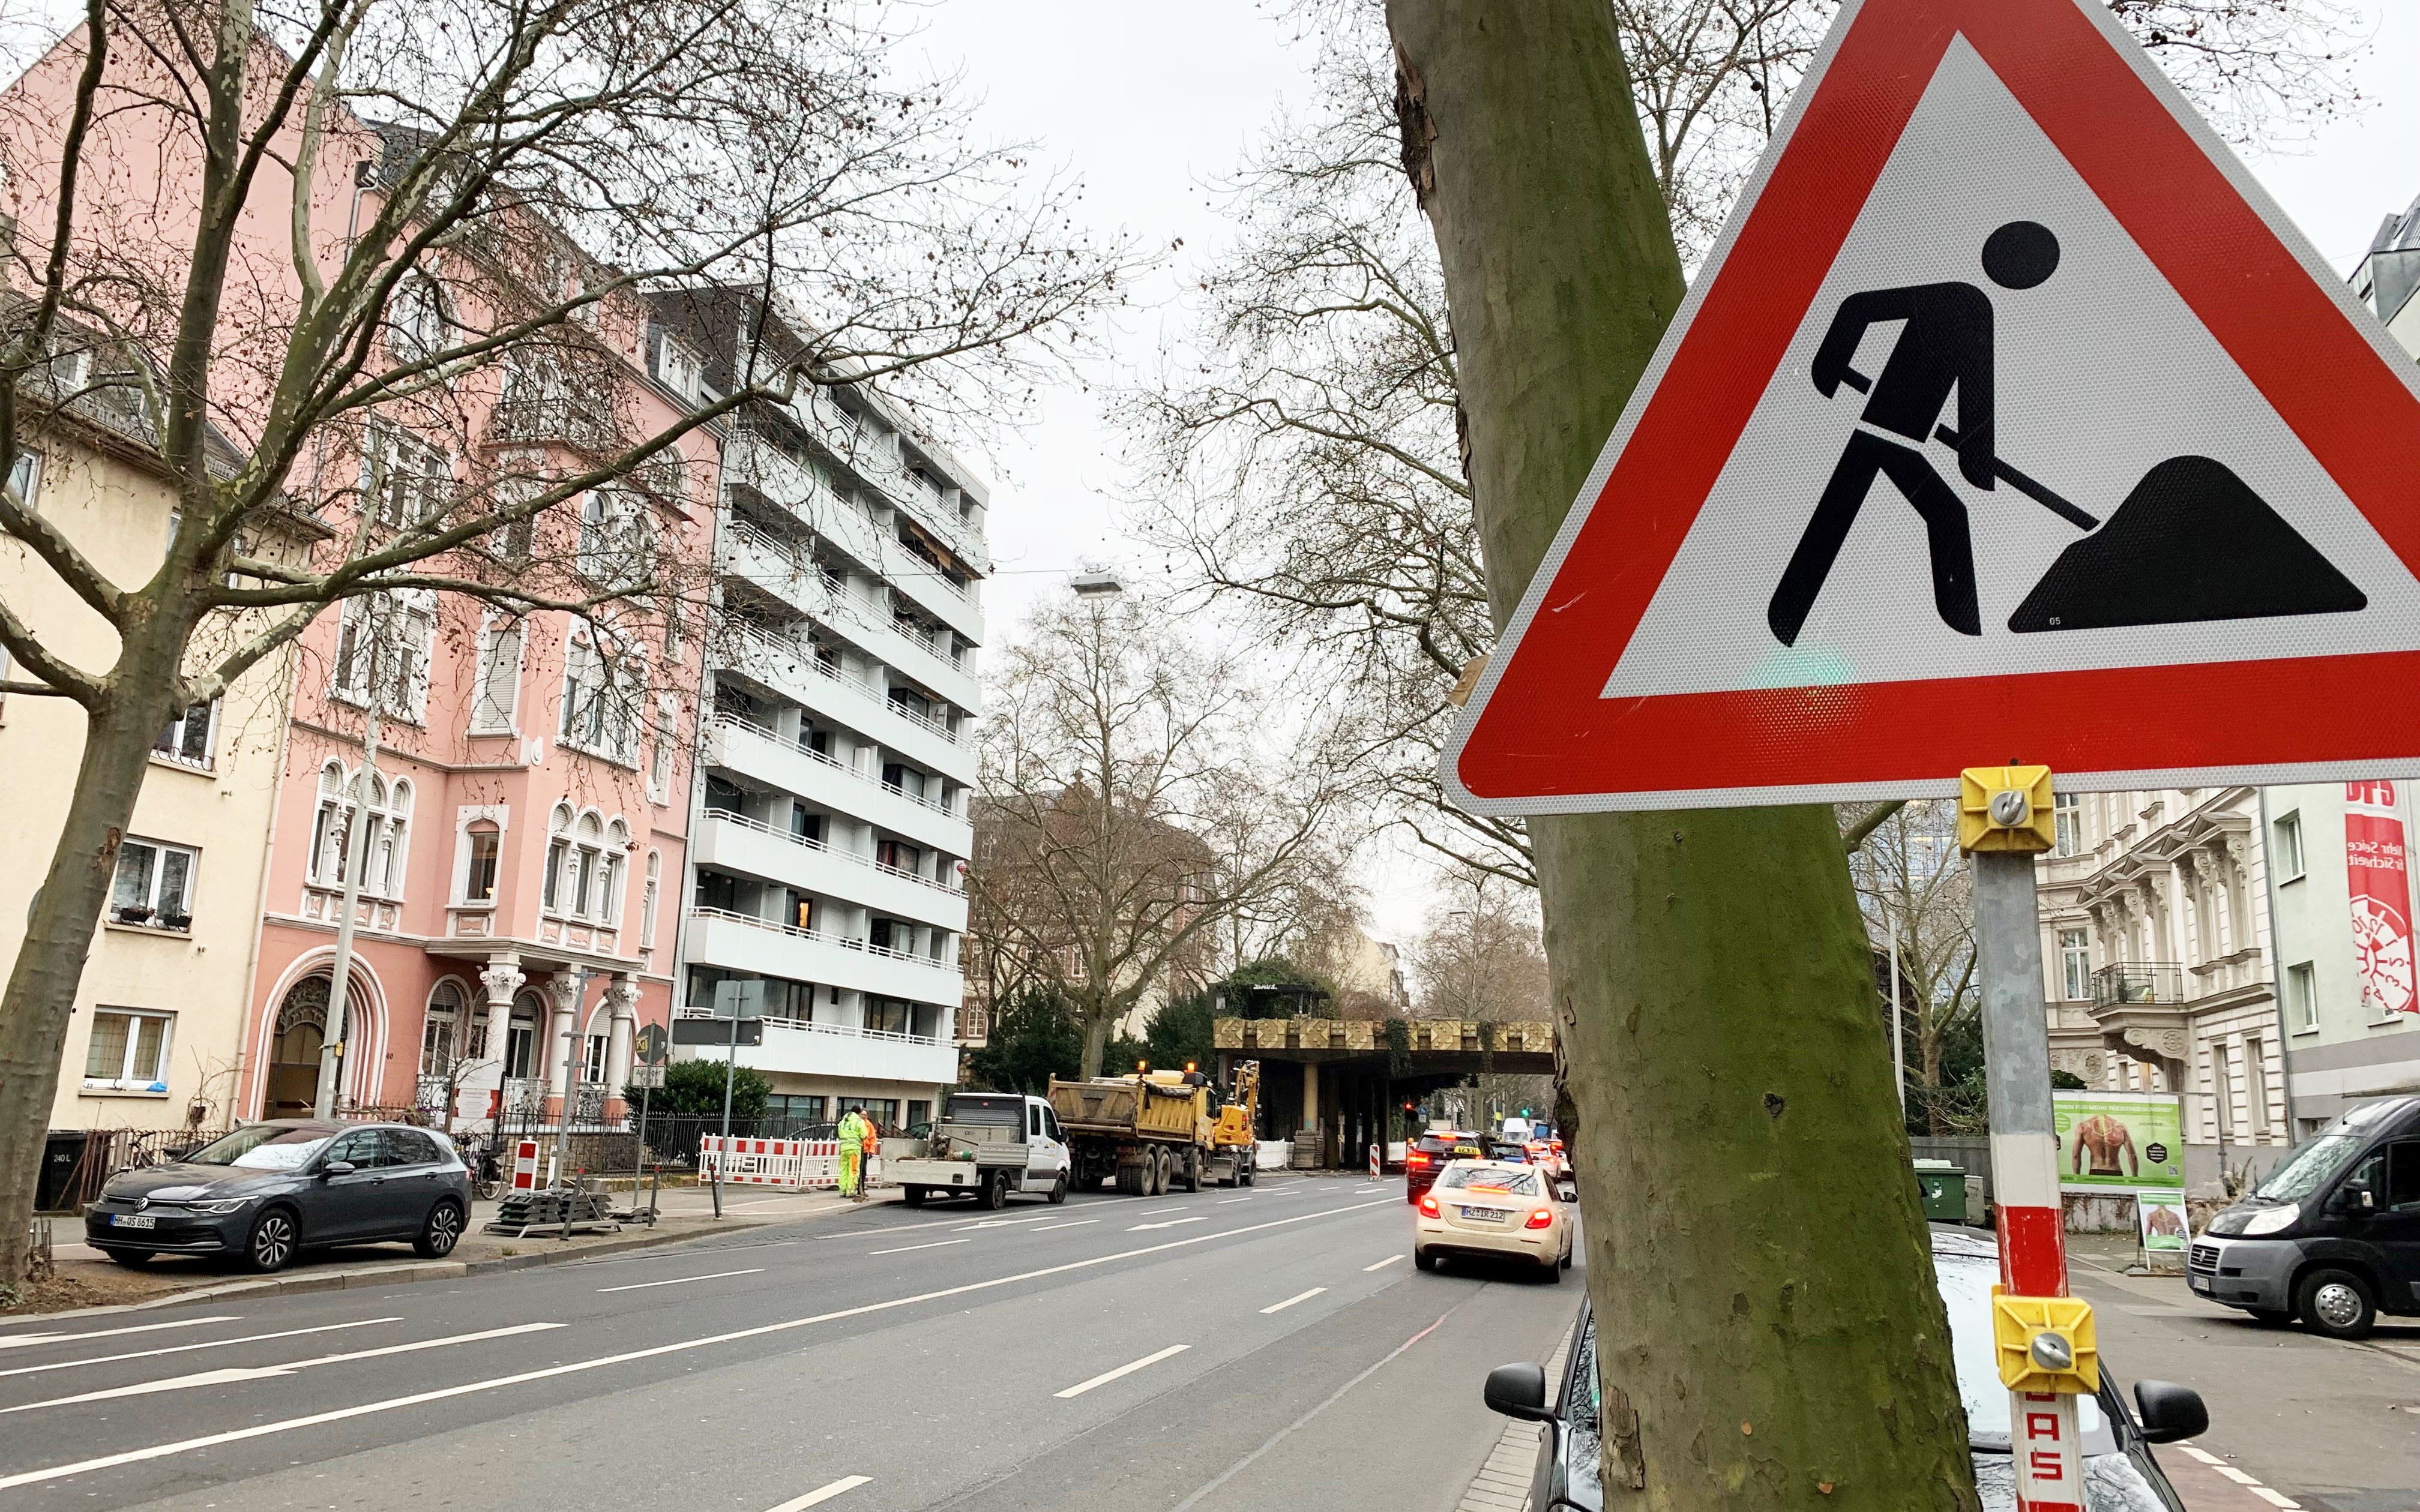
(86, 1280)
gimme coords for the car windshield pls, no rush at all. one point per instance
(264, 1147)
(2313, 1166)
(1488, 1178)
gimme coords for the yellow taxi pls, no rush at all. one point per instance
(1482, 1207)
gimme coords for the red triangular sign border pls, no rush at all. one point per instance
(1538, 737)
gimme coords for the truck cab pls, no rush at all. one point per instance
(2332, 1236)
(985, 1146)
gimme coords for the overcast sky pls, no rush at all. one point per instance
(1145, 102)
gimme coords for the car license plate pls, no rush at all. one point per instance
(2200, 1284)
(1484, 1215)
(133, 1220)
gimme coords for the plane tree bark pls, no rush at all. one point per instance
(1769, 1335)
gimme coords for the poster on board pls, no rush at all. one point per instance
(2122, 1141)
(2162, 1215)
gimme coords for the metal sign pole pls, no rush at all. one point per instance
(2043, 1337)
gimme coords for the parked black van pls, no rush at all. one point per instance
(2332, 1236)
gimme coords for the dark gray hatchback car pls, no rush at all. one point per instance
(269, 1190)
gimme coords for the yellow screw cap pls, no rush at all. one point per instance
(2005, 808)
(2045, 1342)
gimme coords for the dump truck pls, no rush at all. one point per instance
(1156, 1130)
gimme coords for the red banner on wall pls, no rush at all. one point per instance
(2381, 899)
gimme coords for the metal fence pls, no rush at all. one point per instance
(107, 1152)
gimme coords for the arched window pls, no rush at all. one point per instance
(558, 856)
(617, 847)
(442, 1040)
(647, 900)
(586, 864)
(384, 827)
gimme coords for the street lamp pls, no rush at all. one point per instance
(1097, 584)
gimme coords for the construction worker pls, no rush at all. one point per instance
(852, 1152)
(873, 1149)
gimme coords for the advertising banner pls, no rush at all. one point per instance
(2122, 1141)
(2381, 899)
(2163, 1216)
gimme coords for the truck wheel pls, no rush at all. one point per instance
(1193, 1170)
(995, 1191)
(1244, 1173)
(1134, 1179)
(1058, 1193)
(914, 1195)
(2337, 1304)
(1162, 1173)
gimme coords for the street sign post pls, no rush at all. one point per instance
(646, 1078)
(654, 1045)
(2009, 419)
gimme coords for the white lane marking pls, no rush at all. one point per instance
(678, 1280)
(1299, 1296)
(228, 1376)
(902, 1249)
(1045, 1228)
(1221, 1203)
(1381, 1265)
(18, 1341)
(2268, 1496)
(2202, 1455)
(1170, 1223)
(2228, 1471)
(988, 1223)
(823, 1493)
(1126, 1370)
(180, 1348)
(1148, 1211)
(340, 1414)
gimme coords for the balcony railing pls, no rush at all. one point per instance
(809, 843)
(574, 423)
(848, 1031)
(824, 938)
(737, 722)
(2138, 981)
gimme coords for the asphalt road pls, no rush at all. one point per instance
(1215, 1350)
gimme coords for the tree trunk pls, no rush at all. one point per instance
(1096, 1043)
(41, 991)
(1769, 1333)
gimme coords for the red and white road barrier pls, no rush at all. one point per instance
(1377, 1160)
(525, 1166)
(787, 1164)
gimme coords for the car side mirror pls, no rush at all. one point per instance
(338, 1168)
(1518, 1391)
(2171, 1411)
(1567, 1191)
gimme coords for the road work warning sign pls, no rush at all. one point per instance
(2010, 419)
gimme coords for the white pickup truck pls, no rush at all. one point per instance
(986, 1146)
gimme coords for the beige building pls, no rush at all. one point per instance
(2156, 922)
(156, 1039)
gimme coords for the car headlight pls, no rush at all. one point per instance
(2274, 1221)
(222, 1206)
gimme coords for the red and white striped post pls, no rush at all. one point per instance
(2044, 1337)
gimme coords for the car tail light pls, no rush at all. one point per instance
(1428, 1207)
(1416, 1159)
(1541, 1218)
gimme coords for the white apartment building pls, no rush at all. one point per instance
(827, 881)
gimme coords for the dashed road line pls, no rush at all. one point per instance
(942, 1244)
(1299, 1296)
(1126, 1370)
(823, 1493)
(1381, 1265)
(681, 1280)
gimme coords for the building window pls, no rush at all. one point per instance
(486, 844)
(2076, 964)
(188, 739)
(2302, 995)
(887, 1015)
(601, 700)
(2222, 1090)
(647, 900)
(497, 698)
(25, 478)
(615, 544)
(584, 866)
(2288, 847)
(385, 638)
(2067, 817)
(404, 479)
(383, 834)
(592, 1060)
(440, 1030)
(128, 1050)
(2256, 1087)
(155, 885)
(659, 765)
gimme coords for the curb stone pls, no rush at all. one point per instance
(1502, 1484)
